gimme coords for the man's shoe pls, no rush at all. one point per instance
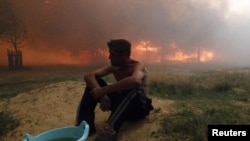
(92, 132)
(109, 134)
(104, 137)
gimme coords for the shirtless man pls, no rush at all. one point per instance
(126, 99)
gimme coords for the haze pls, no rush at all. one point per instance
(76, 31)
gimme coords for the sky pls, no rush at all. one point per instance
(76, 31)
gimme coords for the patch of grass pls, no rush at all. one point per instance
(183, 125)
(191, 124)
(223, 87)
(193, 84)
(162, 89)
(8, 122)
(202, 99)
(14, 82)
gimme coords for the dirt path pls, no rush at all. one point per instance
(55, 106)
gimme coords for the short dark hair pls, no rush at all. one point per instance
(120, 46)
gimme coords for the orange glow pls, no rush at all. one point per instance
(101, 52)
(145, 51)
(51, 57)
(206, 56)
(146, 46)
(44, 54)
(181, 56)
(151, 49)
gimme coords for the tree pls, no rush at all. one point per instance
(12, 29)
(15, 33)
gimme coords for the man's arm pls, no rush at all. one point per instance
(90, 78)
(127, 83)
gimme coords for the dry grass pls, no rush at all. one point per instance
(202, 98)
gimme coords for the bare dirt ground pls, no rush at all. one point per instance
(55, 106)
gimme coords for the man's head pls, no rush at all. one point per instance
(120, 50)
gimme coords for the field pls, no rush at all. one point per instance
(186, 101)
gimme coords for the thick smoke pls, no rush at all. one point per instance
(82, 25)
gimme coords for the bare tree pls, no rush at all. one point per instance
(12, 29)
(15, 34)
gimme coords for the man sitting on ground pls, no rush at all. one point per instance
(127, 98)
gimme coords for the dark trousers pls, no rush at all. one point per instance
(125, 105)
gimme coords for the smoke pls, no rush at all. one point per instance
(77, 26)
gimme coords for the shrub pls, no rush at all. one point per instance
(222, 87)
(183, 125)
(8, 122)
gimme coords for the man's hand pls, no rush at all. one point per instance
(105, 103)
(97, 93)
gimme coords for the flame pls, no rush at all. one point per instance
(145, 51)
(202, 56)
(101, 52)
(181, 56)
(206, 56)
(146, 46)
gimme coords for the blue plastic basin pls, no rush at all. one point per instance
(71, 133)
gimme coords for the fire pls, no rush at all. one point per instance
(146, 46)
(202, 56)
(146, 52)
(101, 52)
(181, 56)
(206, 56)
(44, 55)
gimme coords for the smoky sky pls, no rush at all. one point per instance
(77, 25)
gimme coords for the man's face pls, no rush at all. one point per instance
(116, 59)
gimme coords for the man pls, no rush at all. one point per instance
(126, 99)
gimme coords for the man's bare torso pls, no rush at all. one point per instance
(127, 70)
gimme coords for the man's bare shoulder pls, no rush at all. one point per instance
(111, 68)
(138, 64)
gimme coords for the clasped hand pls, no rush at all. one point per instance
(97, 93)
(105, 101)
